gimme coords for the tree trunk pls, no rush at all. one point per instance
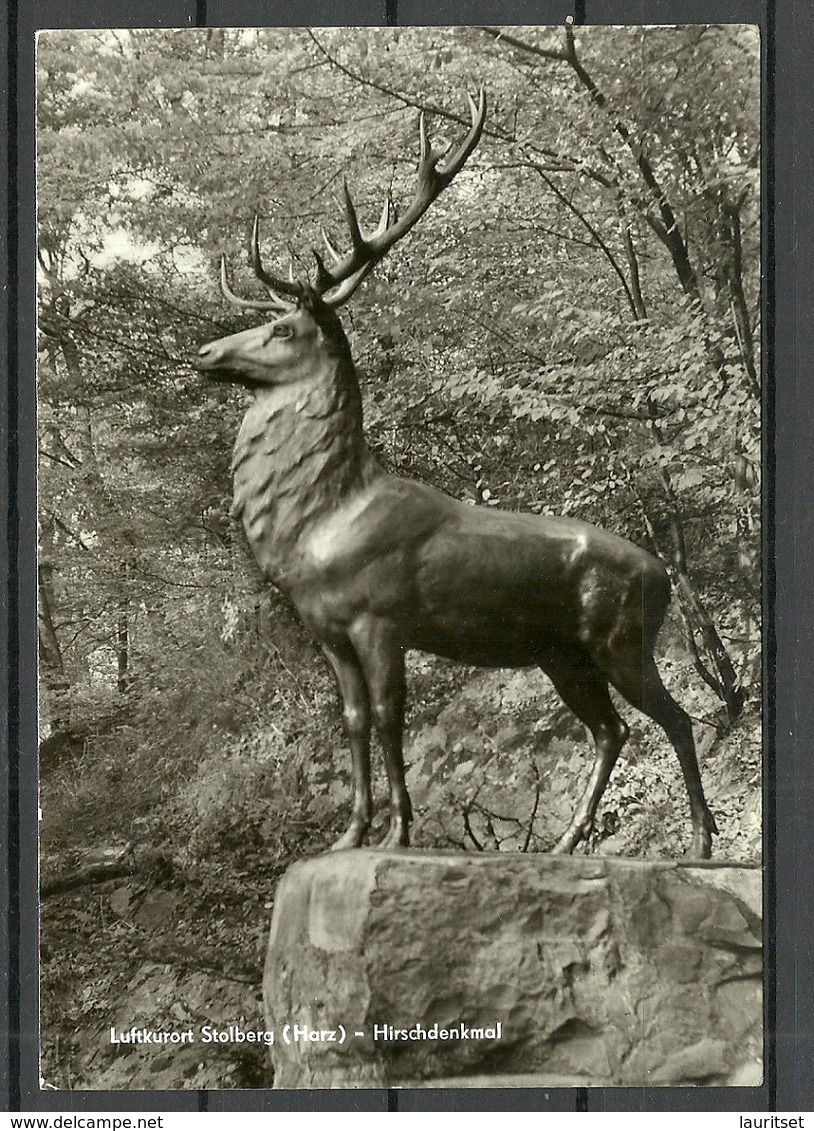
(122, 646)
(55, 686)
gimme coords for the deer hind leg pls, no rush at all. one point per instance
(641, 685)
(381, 655)
(582, 688)
(350, 682)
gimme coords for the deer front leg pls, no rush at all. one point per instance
(350, 683)
(381, 654)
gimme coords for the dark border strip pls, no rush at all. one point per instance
(6, 1076)
(200, 13)
(12, 534)
(579, 20)
(769, 570)
(391, 13)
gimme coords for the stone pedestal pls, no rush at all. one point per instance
(416, 969)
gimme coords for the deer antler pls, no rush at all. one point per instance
(346, 284)
(275, 303)
(347, 271)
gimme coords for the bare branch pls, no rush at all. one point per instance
(523, 45)
(391, 92)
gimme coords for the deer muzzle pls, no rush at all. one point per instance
(215, 360)
(209, 356)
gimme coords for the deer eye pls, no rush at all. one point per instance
(283, 331)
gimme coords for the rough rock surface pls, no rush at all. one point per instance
(599, 971)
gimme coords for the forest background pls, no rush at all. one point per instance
(573, 328)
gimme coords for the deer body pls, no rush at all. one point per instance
(376, 564)
(491, 589)
(481, 587)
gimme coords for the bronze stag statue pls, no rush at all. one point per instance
(376, 564)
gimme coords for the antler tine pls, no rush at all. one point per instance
(357, 239)
(454, 162)
(275, 304)
(423, 141)
(332, 251)
(345, 274)
(388, 215)
(273, 282)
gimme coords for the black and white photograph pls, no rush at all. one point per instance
(400, 582)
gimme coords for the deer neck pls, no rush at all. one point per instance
(300, 452)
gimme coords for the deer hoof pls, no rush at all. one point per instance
(398, 836)
(353, 838)
(572, 836)
(700, 846)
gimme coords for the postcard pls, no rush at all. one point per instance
(400, 420)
